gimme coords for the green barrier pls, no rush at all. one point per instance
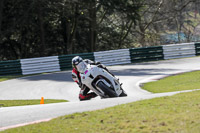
(136, 55)
(146, 54)
(12, 67)
(65, 61)
(197, 47)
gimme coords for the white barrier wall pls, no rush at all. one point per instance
(40, 65)
(113, 57)
(173, 51)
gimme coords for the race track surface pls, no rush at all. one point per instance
(60, 86)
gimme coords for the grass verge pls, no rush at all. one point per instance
(185, 81)
(4, 78)
(8, 103)
(178, 113)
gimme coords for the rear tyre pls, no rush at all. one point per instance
(106, 90)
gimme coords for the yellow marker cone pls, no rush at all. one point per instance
(42, 100)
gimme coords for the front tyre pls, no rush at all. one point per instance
(106, 90)
(123, 94)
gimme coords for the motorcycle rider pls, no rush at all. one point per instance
(77, 65)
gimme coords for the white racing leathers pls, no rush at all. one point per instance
(101, 82)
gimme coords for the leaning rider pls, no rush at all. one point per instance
(77, 61)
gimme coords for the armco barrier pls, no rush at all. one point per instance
(12, 67)
(111, 57)
(197, 48)
(146, 54)
(40, 65)
(179, 50)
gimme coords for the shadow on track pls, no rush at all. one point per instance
(140, 72)
(65, 76)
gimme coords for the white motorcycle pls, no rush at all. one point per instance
(101, 82)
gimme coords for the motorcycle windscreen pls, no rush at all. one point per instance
(81, 67)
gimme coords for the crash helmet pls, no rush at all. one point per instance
(79, 64)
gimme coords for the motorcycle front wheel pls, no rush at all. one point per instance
(123, 94)
(107, 90)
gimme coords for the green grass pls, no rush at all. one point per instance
(4, 78)
(8, 103)
(185, 81)
(178, 113)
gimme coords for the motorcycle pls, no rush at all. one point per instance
(101, 82)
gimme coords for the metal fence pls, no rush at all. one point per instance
(12, 67)
(111, 57)
(179, 50)
(146, 54)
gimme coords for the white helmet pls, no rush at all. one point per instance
(79, 64)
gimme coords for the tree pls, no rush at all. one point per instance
(55, 27)
(1, 12)
(120, 17)
(41, 25)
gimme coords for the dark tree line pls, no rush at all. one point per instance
(37, 28)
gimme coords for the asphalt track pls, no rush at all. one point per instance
(60, 86)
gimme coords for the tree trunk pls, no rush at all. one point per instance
(93, 33)
(68, 29)
(142, 35)
(72, 34)
(178, 28)
(65, 33)
(42, 32)
(126, 34)
(1, 14)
